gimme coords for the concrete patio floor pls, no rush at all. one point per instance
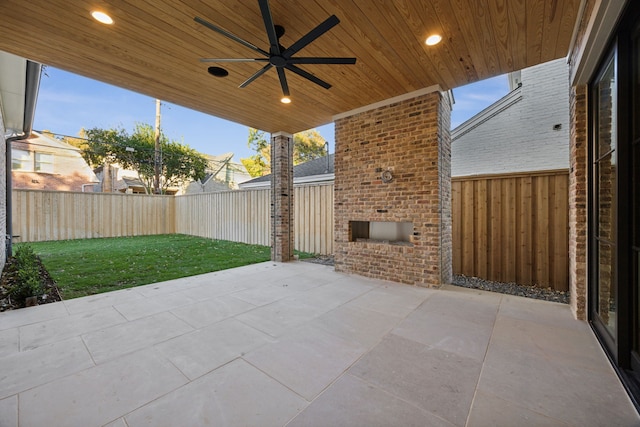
(298, 344)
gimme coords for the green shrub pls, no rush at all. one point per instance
(28, 283)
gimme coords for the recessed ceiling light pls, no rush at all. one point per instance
(102, 17)
(286, 100)
(433, 39)
(218, 71)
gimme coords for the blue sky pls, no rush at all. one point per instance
(68, 103)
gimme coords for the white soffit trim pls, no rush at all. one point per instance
(410, 95)
(13, 70)
(491, 111)
(601, 24)
(281, 133)
(311, 179)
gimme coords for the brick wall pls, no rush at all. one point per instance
(282, 238)
(578, 184)
(578, 202)
(411, 140)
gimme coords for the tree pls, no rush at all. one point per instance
(136, 152)
(307, 145)
(260, 163)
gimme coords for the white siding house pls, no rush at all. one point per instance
(526, 130)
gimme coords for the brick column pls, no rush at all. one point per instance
(410, 140)
(578, 202)
(281, 197)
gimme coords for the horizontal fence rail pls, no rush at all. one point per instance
(512, 228)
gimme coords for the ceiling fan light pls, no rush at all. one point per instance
(433, 39)
(217, 71)
(102, 17)
(285, 100)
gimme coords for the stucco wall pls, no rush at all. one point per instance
(521, 137)
(3, 193)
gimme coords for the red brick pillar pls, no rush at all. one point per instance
(578, 201)
(281, 197)
(409, 140)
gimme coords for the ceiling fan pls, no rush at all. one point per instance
(278, 56)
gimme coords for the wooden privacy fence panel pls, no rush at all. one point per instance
(512, 228)
(245, 216)
(313, 218)
(55, 215)
(239, 216)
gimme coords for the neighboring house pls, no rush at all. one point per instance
(222, 174)
(42, 162)
(526, 130)
(316, 171)
(19, 83)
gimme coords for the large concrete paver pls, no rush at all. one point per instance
(298, 344)
(101, 394)
(237, 394)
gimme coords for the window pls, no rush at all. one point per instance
(44, 162)
(21, 160)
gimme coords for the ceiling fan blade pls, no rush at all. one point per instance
(308, 76)
(234, 59)
(317, 60)
(256, 75)
(269, 26)
(283, 81)
(229, 35)
(325, 26)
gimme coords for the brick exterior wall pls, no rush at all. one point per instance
(578, 178)
(521, 137)
(578, 203)
(282, 197)
(411, 139)
(3, 194)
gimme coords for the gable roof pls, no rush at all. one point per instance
(526, 130)
(317, 170)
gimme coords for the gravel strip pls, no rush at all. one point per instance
(546, 294)
(321, 259)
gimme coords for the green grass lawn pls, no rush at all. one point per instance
(91, 266)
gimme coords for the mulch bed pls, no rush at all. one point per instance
(9, 277)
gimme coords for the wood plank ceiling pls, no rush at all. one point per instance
(154, 47)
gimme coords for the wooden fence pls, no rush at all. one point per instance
(240, 216)
(57, 215)
(245, 216)
(512, 228)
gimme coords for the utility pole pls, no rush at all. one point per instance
(156, 163)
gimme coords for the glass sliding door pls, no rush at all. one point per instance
(614, 203)
(635, 226)
(604, 195)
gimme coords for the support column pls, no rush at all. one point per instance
(281, 197)
(393, 172)
(578, 192)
